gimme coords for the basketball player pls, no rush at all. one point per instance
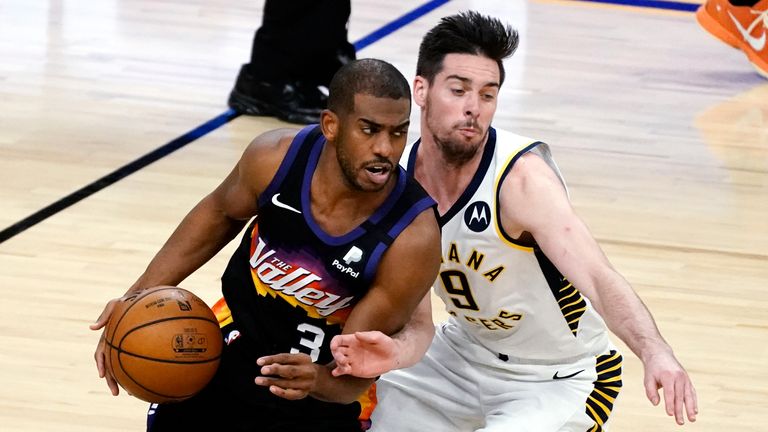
(527, 287)
(342, 240)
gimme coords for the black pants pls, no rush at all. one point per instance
(301, 40)
(232, 402)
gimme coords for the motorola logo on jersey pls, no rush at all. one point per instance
(477, 217)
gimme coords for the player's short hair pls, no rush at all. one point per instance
(465, 33)
(365, 76)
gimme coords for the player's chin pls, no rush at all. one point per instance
(370, 188)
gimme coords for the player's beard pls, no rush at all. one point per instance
(455, 150)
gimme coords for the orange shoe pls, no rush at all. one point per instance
(741, 27)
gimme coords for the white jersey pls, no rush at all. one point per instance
(506, 295)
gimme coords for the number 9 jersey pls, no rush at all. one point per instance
(505, 294)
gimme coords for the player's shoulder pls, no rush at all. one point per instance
(532, 180)
(416, 248)
(523, 155)
(530, 165)
(423, 232)
(263, 156)
(269, 148)
(272, 141)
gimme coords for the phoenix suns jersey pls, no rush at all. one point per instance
(507, 295)
(290, 286)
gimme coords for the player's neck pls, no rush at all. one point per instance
(337, 206)
(444, 180)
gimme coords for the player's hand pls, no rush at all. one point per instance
(662, 370)
(101, 347)
(291, 376)
(364, 354)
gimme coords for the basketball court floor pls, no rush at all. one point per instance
(660, 130)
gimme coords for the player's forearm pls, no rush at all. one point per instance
(344, 389)
(413, 341)
(199, 236)
(639, 332)
(629, 319)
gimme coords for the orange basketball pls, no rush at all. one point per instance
(163, 344)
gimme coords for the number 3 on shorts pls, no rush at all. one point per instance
(313, 340)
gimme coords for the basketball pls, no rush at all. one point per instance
(163, 344)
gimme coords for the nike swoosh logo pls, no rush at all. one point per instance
(756, 43)
(555, 377)
(282, 205)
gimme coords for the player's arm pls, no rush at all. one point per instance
(402, 281)
(534, 201)
(403, 277)
(219, 216)
(363, 354)
(209, 226)
(369, 354)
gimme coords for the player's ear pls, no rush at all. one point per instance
(420, 87)
(329, 124)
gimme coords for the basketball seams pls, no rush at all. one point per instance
(128, 375)
(128, 353)
(126, 371)
(139, 296)
(126, 366)
(120, 350)
(147, 324)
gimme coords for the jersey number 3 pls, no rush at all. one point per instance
(457, 285)
(312, 338)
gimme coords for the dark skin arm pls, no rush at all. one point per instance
(404, 277)
(208, 227)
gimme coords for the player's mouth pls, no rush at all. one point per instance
(469, 132)
(379, 172)
(469, 128)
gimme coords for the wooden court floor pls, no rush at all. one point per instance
(661, 132)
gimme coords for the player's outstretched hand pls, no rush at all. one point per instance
(662, 370)
(364, 354)
(290, 376)
(101, 347)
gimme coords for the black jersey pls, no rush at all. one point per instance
(290, 286)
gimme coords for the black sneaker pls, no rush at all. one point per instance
(293, 102)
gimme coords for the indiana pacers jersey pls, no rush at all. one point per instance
(507, 295)
(290, 286)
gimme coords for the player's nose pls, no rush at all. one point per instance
(472, 105)
(383, 145)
